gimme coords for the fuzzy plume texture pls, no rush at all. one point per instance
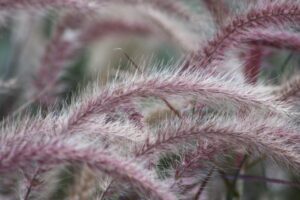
(137, 99)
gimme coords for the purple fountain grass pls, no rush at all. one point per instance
(208, 89)
(157, 133)
(171, 7)
(98, 130)
(95, 128)
(106, 27)
(109, 133)
(133, 115)
(271, 136)
(268, 14)
(55, 152)
(73, 4)
(61, 51)
(289, 90)
(253, 56)
(188, 174)
(58, 54)
(252, 63)
(195, 160)
(176, 33)
(276, 39)
(218, 10)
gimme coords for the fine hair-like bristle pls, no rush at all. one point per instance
(149, 99)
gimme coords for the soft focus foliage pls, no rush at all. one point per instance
(149, 99)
